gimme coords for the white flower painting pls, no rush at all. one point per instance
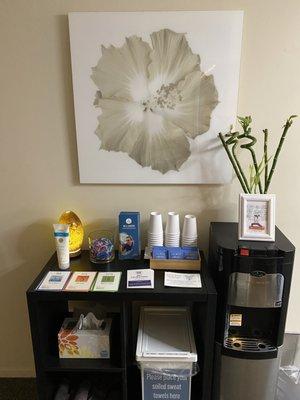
(152, 99)
(149, 94)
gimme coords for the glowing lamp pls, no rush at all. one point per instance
(76, 231)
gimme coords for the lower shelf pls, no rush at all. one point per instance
(87, 385)
(55, 364)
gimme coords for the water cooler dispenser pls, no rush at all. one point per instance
(253, 283)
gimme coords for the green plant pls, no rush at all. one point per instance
(259, 175)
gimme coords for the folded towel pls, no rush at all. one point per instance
(63, 392)
(83, 391)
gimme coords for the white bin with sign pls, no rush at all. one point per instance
(166, 352)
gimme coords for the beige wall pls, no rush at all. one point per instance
(38, 164)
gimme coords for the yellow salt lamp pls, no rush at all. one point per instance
(76, 231)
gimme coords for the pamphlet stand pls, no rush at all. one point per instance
(47, 310)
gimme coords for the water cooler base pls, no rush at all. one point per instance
(244, 379)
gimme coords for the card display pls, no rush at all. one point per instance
(140, 279)
(81, 281)
(54, 280)
(184, 280)
(107, 282)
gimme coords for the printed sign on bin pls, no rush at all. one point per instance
(163, 386)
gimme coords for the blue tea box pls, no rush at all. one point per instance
(190, 253)
(129, 235)
(175, 253)
(159, 253)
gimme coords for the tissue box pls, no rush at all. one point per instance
(84, 343)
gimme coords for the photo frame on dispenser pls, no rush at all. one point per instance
(257, 217)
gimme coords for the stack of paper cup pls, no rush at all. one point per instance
(155, 230)
(172, 234)
(189, 231)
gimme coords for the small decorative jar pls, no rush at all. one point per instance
(101, 245)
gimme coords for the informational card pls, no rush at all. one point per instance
(140, 279)
(184, 280)
(107, 282)
(54, 280)
(81, 281)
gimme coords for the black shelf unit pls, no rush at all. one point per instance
(47, 311)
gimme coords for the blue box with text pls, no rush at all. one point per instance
(129, 235)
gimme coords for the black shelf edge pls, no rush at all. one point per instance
(134, 295)
(56, 364)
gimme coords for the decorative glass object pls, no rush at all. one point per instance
(76, 231)
(101, 245)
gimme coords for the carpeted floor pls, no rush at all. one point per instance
(17, 389)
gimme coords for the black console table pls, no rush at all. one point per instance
(47, 311)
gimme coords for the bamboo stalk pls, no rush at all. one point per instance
(256, 168)
(248, 146)
(239, 167)
(286, 127)
(266, 134)
(236, 170)
(245, 123)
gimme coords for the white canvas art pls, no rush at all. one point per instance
(152, 90)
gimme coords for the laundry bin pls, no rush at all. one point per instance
(166, 352)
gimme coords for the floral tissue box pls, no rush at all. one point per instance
(81, 342)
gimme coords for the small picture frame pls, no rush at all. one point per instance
(257, 217)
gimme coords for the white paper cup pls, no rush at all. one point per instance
(189, 242)
(172, 226)
(184, 237)
(189, 239)
(151, 241)
(158, 239)
(172, 237)
(172, 243)
(155, 237)
(172, 234)
(155, 223)
(152, 244)
(189, 226)
(175, 234)
(172, 240)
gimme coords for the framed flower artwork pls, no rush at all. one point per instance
(257, 217)
(152, 90)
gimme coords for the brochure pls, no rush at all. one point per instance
(140, 279)
(184, 280)
(54, 280)
(107, 282)
(81, 281)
